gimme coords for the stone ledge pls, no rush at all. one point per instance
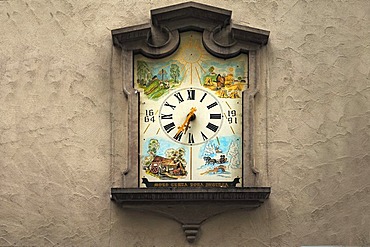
(190, 206)
(198, 194)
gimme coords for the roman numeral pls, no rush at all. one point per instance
(190, 138)
(166, 116)
(169, 105)
(178, 136)
(215, 116)
(205, 138)
(212, 105)
(204, 95)
(212, 127)
(191, 94)
(169, 127)
(179, 97)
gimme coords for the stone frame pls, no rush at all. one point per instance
(161, 38)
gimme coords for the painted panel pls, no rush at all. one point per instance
(190, 114)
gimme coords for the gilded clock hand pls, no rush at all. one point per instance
(184, 127)
(191, 117)
(187, 126)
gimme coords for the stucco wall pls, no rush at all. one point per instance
(56, 60)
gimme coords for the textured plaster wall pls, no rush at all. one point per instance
(56, 61)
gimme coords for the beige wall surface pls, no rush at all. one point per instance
(56, 60)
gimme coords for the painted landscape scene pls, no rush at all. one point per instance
(228, 82)
(157, 79)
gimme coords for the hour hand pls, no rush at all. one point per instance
(189, 117)
(184, 127)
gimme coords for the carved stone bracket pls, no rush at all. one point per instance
(190, 206)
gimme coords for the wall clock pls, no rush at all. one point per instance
(191, 114)
(184, 115)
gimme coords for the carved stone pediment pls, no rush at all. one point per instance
(221, 37)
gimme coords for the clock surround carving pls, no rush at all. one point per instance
(160, 39)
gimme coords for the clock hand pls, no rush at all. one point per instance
(184, 127)
(190, 117)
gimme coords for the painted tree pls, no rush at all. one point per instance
(174, 72)
(177, 155)
(233, 153)
(153, 148)
(149, 76)
(142, 70)
(211, 69)
(210, 149)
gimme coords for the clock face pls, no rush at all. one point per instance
(191, 123)
(191, 116)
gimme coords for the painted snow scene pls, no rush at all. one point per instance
(221, 158)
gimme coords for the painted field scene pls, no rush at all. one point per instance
(156, 79)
